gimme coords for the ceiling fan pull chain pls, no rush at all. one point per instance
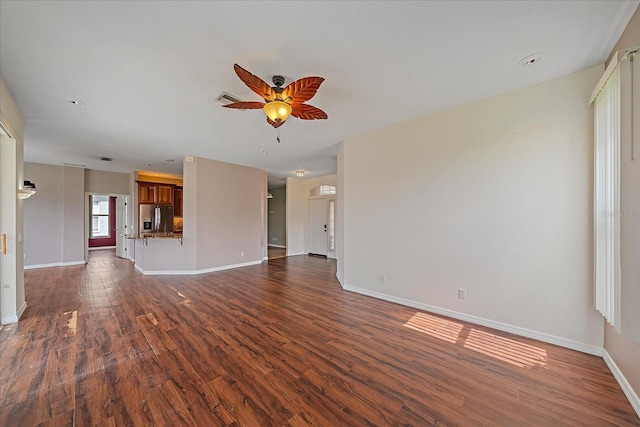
(278, 135)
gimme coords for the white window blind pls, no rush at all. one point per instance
(607, 269)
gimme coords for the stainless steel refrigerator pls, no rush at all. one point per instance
(156, 219)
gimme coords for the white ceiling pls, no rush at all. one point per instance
(149, 72)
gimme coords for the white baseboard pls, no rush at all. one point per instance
(97, 248)
(21, 310)
(228, 267)
(68, 263)
(9, 319)
(622, 381)
(34, 266)
(540, 336)
(193, 272)
(53, 264)
(277, 246)
(14, 319)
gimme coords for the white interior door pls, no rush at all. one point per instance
(121, 226)
(318, 224)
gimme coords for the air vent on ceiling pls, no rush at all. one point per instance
(227, 98)
(106, 159)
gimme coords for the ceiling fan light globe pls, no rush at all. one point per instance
(278, 111)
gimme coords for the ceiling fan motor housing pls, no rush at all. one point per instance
(278, 81)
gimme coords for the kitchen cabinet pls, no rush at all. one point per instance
(153, 193)
(177, 201)
(146, 192)
(165, 194)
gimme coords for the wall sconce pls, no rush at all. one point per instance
(28, 190)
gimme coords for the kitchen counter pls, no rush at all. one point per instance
(151, 236)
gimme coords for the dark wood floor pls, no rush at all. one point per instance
(275, 344)
(276, 252)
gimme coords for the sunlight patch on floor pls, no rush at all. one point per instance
(498, 347)
(505, 349)
(437, 327)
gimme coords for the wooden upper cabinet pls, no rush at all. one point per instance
(164, 194)
(177, 201)
(146, 192)
(151, 193)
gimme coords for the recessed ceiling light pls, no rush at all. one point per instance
(146, 165)
(76, 102)
(169, 160)
(534, 58)
(300, 173)
(263, 152)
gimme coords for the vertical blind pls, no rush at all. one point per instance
(607, 268)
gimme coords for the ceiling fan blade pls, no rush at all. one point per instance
(307, 112)
(255, 83)
(250, 105)
(275, 124)
(301, 90)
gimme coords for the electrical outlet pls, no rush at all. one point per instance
(383, 278)
(462, 293)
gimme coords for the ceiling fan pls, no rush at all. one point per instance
(281, 102)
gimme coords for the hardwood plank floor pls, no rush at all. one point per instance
(275, 344)
(274, 252)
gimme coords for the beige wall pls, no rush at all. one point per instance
(102, 182)
(12, 296)
(340, 216)
(492, 197)
(623, 349)
(10, 116)
(224, 221)
(230, 214)
(56, 217)
(73, 215)
(43, 232)
(298, 192)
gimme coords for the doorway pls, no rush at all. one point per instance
(103, 221)
(108, 223)
(321, 221)
(318, 226)
(277, 222)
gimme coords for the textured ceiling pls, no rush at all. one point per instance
(148, 73)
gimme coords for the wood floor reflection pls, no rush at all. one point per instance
(276, 252)
(274, 344)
